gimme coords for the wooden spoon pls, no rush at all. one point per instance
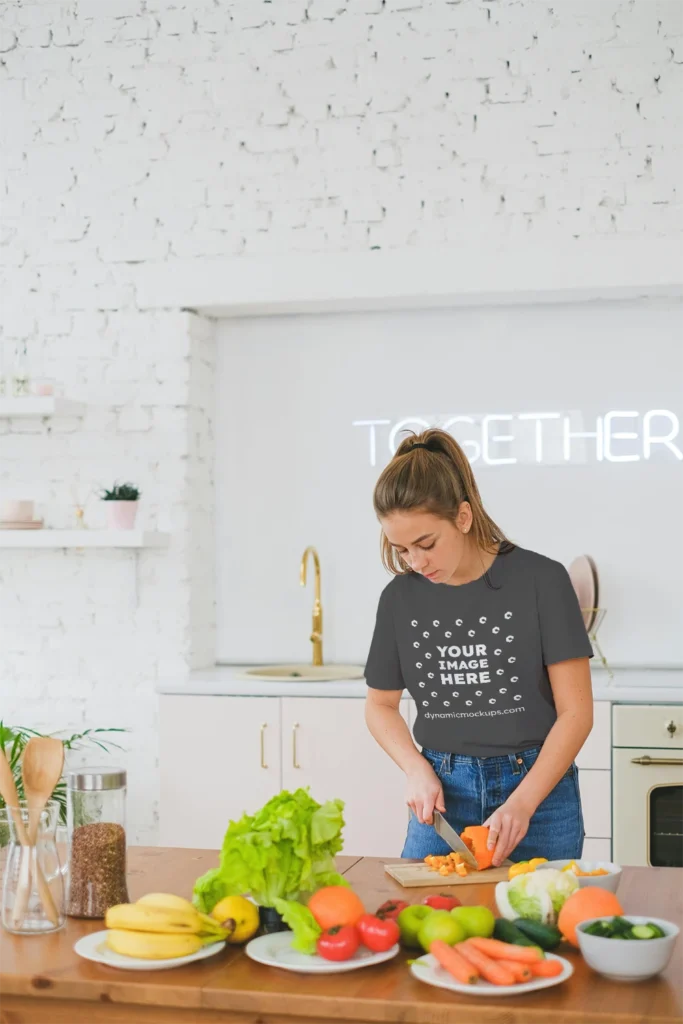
(41, 768)
(9, 794)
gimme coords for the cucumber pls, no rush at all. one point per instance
(506, 931)
(644, 931)
(543, 935)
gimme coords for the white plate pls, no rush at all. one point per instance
(93, 947)
(276, 951)
(428, 970)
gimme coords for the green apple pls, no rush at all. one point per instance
(477, 921)
(440, 925)
(409, 921)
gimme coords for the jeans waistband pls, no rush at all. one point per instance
(514, 760)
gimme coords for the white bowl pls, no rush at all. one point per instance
(609, 881)
(628, 959)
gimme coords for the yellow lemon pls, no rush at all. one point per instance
(238, 916)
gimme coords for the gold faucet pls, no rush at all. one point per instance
(317, 633)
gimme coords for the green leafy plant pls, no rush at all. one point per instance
(120, 492)
(13, 740)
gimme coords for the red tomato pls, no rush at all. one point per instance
(339, 943)
(391, 909)
(441, 902)
(378, 934)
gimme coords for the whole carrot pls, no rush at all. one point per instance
(451, 961)
(490, 970)
(498, 950)
(546, 968)
(521, 972)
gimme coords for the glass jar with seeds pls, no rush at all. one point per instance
(96, 816)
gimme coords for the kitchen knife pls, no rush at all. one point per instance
(453, 839)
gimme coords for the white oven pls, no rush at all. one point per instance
(647, 784)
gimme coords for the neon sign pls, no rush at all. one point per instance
(550, 438)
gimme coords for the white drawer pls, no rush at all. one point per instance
(597, 849)
(596, 800)
(597, 750)
(645, 725)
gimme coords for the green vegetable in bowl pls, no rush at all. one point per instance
(284, 851)
(621, 928)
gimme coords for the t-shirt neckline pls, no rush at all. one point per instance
(470, 583)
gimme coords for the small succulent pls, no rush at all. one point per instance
(120, 492)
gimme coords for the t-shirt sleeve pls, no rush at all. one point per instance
(383, 667)
(563, 631)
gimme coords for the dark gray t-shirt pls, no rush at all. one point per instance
(474, 658)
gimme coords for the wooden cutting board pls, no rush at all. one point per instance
(411, 875)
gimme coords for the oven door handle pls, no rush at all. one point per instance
(646, 759)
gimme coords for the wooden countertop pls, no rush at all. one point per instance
(42, 981)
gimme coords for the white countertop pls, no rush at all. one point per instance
(629, 685)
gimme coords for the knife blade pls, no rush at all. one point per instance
(456, 844)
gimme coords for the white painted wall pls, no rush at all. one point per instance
(292, 470)
(137, 135)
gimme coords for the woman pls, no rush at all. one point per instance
(489, 640)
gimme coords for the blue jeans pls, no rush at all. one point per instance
(474, 787)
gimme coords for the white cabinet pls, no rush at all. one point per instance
(596, 800)
(597, 750)
(597, 849)
(220, 757)
(326, 745)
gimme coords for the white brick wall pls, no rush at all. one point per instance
(152, 130)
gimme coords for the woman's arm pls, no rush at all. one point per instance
(571, 685)
(390, 729)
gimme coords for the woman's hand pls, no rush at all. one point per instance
(507, 827)
(424, 792)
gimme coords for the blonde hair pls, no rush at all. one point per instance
(436, 479)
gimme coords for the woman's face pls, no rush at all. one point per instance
(431, 546)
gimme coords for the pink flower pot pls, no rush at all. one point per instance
(121, 514)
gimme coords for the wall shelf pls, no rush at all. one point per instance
(39, 406)
(83, 539)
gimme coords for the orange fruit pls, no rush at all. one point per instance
(335, 905)
(584, 904)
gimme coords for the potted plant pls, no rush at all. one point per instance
(122, 506)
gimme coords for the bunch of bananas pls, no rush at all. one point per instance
(160, 926)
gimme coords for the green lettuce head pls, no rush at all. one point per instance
(537, 896)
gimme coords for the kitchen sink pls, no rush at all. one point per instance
(304, 673)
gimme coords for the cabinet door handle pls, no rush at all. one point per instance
(646, 759)
(264, 726)
(295, 761)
